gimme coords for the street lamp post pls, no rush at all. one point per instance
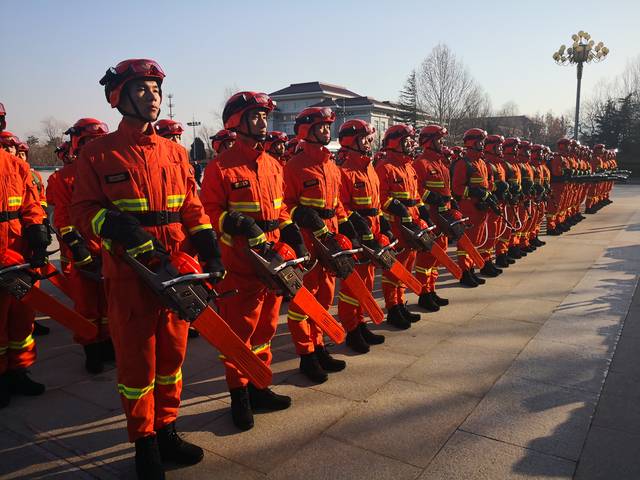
(584, 50)
(194, 124)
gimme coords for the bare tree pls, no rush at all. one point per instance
(216, 113)
(53, 130)
(509, 109)
(446, 90)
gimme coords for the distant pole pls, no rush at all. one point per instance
(171, 105)
(193, 123)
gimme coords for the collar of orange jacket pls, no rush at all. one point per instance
(135, 136)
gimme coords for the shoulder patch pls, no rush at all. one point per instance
(311, 183)
(117, 177)
(240, 184)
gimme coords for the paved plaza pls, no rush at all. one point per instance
(534, 375)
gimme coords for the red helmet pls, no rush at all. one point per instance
(492, 142)
(275, 137)
(457, 151)
(117, 77)
(598, 147)
(23, 147)
(351, 130)
(472, 136)
(511, 145)
(83, 128)
(219, 138)
(167, 128)
(8, 139)
(525, 148)
(564, 144)
(3, 111)
(242, 102)
(395, 134)
(310, 117)
(430, 133)
(292, 146)
(62, 151)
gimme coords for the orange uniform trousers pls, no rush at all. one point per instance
(392, 290)
(89, 300)
(350, 312)
(476, 232)
(17, 346)
(427, 266)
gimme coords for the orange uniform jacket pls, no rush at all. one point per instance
(558, 165)
(433, 176)
(469, 173)
(20, 201)
(360, 187)
(312, 179)
(247, 181)
(398, 179)
(134, 172)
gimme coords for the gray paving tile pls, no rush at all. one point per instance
(327, 457)
(468, 456)
(405, 421)
(609, 454)
(546, 418)
(459, 368)
(418, 340)
(618, 412)
(563, 364)
(520, 307)
(497, 333)
(276, 436)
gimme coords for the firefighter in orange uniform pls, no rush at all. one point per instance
(23, 230)
(276, 145)
(434, 182)
(360, 195)
(138, 194)
(222, 140)
(169, 129)
(312, 195)
(400, 199)
(471, 190)
(87, 288)
(62, 152)
(243, 194)
(496, 225)
(541, 179)
(560, 174)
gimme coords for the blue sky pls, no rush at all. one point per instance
(57, 51)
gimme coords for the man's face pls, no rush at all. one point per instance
(278, 148)
(499, 151)
(10, 149)
(364, 143)
(145, 95)
(407, 145)
(175, 138)
(257, 123)
(438, 143)
(226, 145)
(3, 123)
(322, 133)
(22, 155)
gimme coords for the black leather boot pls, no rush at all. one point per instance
(267, 400)
(241, 412)
(93, 358)
(5, 390)
(427, 302)
(412, 317)
(356, 341)
(489, 270)
(443, 302)
(148, 461)
(396, 318)
(501, 261)
(107, 350)
(514, 252)
(370, 337)
(479, 281)
(20, 383)
(310, 367)
(327, 362)
(467, 279)
(175, 449)
(39, 330)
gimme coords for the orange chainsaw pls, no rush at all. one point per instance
(384, 258)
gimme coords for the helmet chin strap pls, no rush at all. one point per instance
(137, 113)
(257, 137)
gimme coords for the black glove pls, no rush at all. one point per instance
(454, 229)
(235, 223)
(424, 214)
(434, 198)
(307, 217)
(515, 189)
(397, 208)
(292, 236)
(372, 244)
(385, 228)
(479, 193)
(347, 229)
(502, 188)
(82, 258)
(527, 186)
(38, 239)
(205, 243)
(360, 225)
(126, 230)
(454, 204)
(492, 202)
(342, 266)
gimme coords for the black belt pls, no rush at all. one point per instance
(267, 225)
(408, 202)
(325, 213)
(367, 212)
(157, 219)
(6, 216)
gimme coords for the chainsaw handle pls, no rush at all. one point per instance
(351, 251)
(191, 277)
(462, 220)
(13, 268)
(292, 263)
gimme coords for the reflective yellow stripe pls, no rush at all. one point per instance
(424, 271)
(400, 195)
(3, 350)
(461, 253)
(390, 282)
(362, 200)
(465, 194)
(169, 379)
(277, 203)
(197, 228)
(67, 229)
(342, 220)
(261, 348)
(226, 239)
(406, 219)
(348, 299)
(84, 261)
(284, 224)
(43, 203)
(132, 393)
(322, 231)
(98, 220)
(476, 180)
(386, 204)
(132, 204)
(312, 202)
(443, 208)
(19, 345)
(104, 321)
(257, 240)
(145, 247)
(435, 184)
(426, 193)
(175, 201)
(368, 236)
(15, 201)
(221, 220)
(296, 317)
(245, 206)
(335, 202)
